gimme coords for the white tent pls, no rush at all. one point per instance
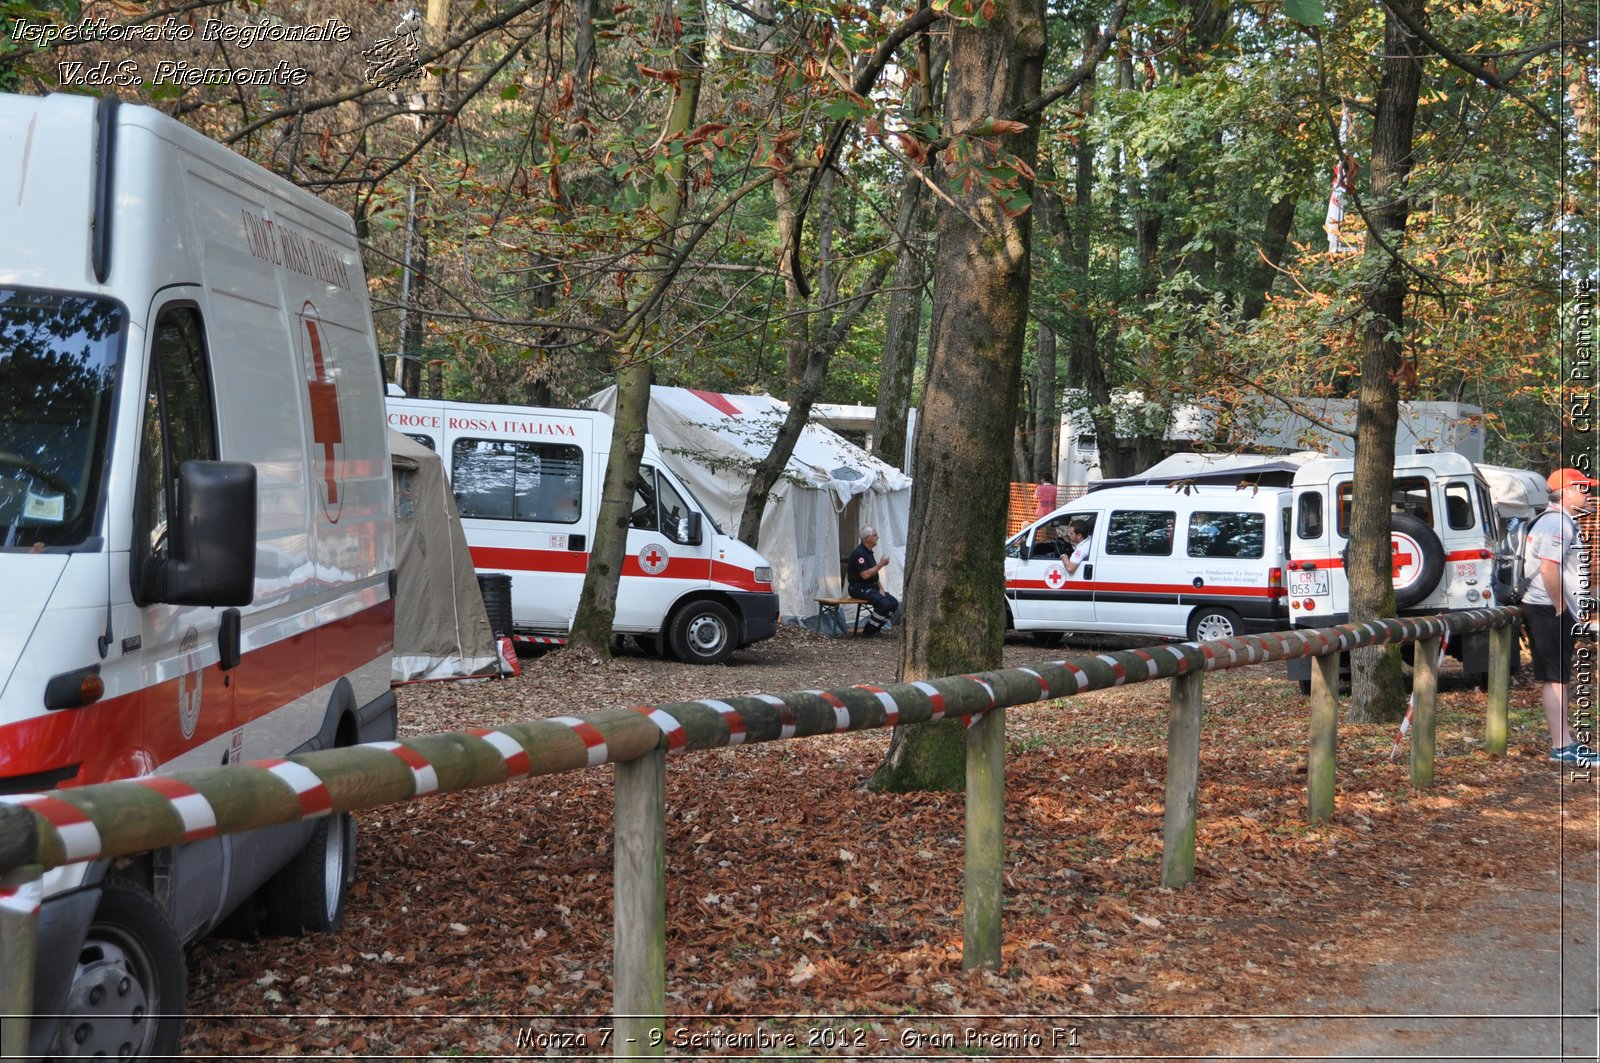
(441, 630)
(828, 491)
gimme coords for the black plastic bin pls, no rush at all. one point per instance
(496, 590)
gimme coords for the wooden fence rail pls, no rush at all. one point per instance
(41, 831)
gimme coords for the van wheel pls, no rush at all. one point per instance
(702, 633)
(308, 896)
(128, 995)
(1211, 622)
(1432, 550)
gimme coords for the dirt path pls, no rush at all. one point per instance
(1509, 977)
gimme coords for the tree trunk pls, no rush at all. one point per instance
(1377, 682)
(902, 331)
(1046, 407)
(955, 565)
(1274, 242)
(597, 603)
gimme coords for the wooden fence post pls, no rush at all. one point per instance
(1424, 700)
(986, 842)
(21, 893)
(639, 923)
(1502, 644)
(1321, 772)
(1183, 780)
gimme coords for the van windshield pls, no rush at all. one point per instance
(58, 362)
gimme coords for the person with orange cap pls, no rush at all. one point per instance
(1553, 604)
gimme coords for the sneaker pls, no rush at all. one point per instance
(1576, 753)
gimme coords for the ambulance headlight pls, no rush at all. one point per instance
(763, 573)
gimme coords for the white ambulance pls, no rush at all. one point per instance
(527, 481)
(1444, 531)
(1187, 560)
(196, 531)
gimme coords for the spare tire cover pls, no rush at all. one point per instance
(1418, 560)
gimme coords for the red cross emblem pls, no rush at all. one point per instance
(1403, 555)
(326, 427)
(653, 559)
(1055, 577)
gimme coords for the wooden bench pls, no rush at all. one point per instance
(835, 607)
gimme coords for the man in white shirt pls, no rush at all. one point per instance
(1551, 604)
(1078, 537)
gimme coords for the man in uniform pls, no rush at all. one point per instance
(1553, 606)
(863, 570)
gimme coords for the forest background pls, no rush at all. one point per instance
(499, 159)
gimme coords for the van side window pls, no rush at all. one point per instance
(1458, 504)
(1309, 523)
(179, 421)
(1227, 534)
(643, 513)
(1491, 518)
(496, 479)
(1141, 531)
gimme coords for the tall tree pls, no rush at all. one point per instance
(954, 566)
(1377, 682)
(597, 603)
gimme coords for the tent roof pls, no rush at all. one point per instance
(742, 428)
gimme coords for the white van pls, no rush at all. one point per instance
(196, 531)
(1195, 561)
(527, 481)
(1444, 532)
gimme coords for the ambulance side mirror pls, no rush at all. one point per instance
(692, 531)
(1024, 551)
(213, 548)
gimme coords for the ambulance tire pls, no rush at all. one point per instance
(703, 633)
(1432, 560)
(308, 896)
(1214, 622)
(128, 996)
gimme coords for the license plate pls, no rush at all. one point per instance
(1313, 582)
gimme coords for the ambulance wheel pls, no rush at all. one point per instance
(1432, 560)
(128, 995)
(308, 896)
(1213, 622)
(702, 633)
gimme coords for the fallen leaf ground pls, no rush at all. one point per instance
(481, 922)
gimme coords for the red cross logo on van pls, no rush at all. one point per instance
(653, 559)
(1055, 576)
(326, 428)
(1403, 558)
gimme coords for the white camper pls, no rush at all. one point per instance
(196, 531)
(1444, 533)
(527, 482)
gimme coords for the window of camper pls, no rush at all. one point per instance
(1411, 496)
(426, 441)
(1309, 524)
(1458, 504)
(58, 369)
(1227, 534)
(1146, 532)
(498, 479)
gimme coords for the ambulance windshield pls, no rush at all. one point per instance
(58, 362)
